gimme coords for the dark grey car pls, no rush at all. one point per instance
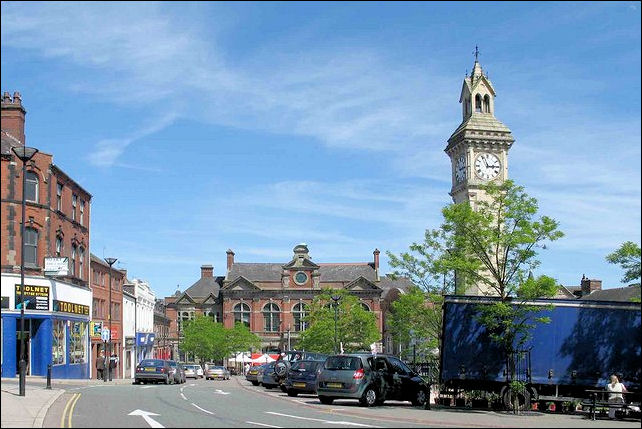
(177, 371)
(370, 379)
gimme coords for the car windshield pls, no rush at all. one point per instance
(305, 365)
(219, 368)
(342, 363)
(171, 363)
(152, 362)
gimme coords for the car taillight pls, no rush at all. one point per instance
(359, 374)
(139, 369)
(161, 369)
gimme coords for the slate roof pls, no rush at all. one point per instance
(204, 287)
(483, 122)
(7, 141)
(402, 283)
(267, 272)
(622, 294)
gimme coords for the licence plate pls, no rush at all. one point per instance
(253, 372)
(150, 369)
(298, 384)
(335, 385)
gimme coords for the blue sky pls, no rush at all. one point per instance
(200, 127)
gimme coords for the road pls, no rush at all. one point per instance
(236, 403)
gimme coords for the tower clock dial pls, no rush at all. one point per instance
(460, 169)
(487, 166)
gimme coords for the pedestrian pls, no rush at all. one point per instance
(100, 365)
(615, 389)
(247, 368)
(113, 363)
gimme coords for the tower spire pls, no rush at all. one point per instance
(477, 69)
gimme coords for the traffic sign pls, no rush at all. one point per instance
(104, 334)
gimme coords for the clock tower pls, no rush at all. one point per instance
(478, 149)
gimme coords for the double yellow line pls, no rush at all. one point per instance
(69, 410)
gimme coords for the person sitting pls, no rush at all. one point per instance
(615, 389)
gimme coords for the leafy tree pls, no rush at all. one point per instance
(210, 341)
(356, 327)
(413, 314)
(628, 256)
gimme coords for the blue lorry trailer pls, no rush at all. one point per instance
(584, 343)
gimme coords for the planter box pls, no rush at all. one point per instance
(479, 403)
(444, 401)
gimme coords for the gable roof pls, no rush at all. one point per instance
(622, 294)
(346, 272)
(256, 272)
(204, 287)
(362, 284)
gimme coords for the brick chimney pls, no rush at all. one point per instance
(230, 259)
(13, 116)
(376, 262)
(207, 271)
(590, 285)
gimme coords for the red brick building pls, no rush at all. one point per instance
(57, 208)
(100, 311)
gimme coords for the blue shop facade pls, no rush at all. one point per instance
(56, 327)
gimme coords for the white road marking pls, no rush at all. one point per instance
(192, 385)
(147, 387)
(330, 422)
(182, 388)
(263, 424)
(220, 392)
(146, 415)
(183, 396)
(203, 410)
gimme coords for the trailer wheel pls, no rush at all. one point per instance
(523, 397)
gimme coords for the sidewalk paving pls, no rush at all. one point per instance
(30, 410)
(25, 411)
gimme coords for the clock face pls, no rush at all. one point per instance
(460, 169)
(301, 277)
(487, 166)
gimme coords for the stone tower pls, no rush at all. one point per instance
(478, 149)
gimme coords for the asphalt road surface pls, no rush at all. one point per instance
(236, 403)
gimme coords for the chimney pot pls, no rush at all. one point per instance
(230, 259)
(17, 99)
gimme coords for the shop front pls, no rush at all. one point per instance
(56, 327)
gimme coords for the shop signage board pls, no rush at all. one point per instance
(56, 266)
(35, 297)
(95, 329)
(70, 307)
(129, 341)
(144, 339)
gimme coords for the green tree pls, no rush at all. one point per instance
(628, 256)
(356, 327)
(413, 318)
(201, 337)
(240, 338)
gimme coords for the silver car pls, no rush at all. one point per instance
(191, 371)
(216, 372)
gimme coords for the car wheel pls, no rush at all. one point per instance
(255, 383)
(369, 398)
(325, 400)
(284, 389)
(292, 393)
(420, 398)
(268, 386)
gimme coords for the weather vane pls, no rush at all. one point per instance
(476, 52)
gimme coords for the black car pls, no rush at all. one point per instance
(286, 359)
(370, 379)
(302, 377)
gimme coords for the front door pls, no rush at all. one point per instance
(27, 341)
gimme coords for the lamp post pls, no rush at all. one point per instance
(336, 299)
(25, 154)
(110, 261)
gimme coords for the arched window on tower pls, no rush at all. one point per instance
(486, 104)
(478, 103)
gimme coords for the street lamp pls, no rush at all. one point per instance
(110, 261)
(25, 154)
(336, 299)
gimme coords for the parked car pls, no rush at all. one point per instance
(177, 371)
(267, 377)
(252, 374)
(285, 360)
(216, 372)
(302, 377)
(191, 370)
(370, 379)
(153, 370)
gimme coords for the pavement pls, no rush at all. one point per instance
(30, 410)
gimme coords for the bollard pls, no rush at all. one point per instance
(48, 376)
